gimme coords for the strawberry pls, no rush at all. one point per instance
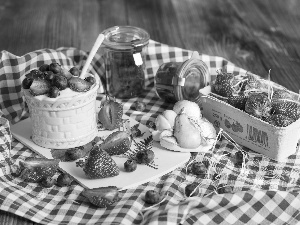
(279, 120)
(237, 101)
(39, 87)
(223, 85)
(251, 83)
(281, 94)
(117, 143)
(48, 182)
(287, 108)
(79, 85)
(26, 83)
(99, 164)
(102, 196)
(110, 114)
(64, 180)
(222, 189)
(197, 168)
(90, 79)
(44, 67)
(55, 67)
(66, 74)
(258, 105)
(60, 82)
(75, 71)
(37, 169)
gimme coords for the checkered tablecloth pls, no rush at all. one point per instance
(264, 191)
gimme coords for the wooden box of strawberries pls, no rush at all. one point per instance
(256, 113)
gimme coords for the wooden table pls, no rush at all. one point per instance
(255, 35)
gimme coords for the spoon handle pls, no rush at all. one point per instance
(94, 49)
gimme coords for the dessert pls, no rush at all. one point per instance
(62, 107)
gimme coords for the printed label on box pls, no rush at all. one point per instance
(240, 130)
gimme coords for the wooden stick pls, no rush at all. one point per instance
(93, 51)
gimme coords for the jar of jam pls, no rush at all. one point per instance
(125, 52)
(175, 81)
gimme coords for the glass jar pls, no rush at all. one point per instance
(175, 81)
(125, 50)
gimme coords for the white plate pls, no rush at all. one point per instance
(165, 160)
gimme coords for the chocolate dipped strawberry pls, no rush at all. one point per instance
(110, 114)
(117, 143)
(36, 169)
(99, 164)
(103, 196)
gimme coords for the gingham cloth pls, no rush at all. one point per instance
(265, 191)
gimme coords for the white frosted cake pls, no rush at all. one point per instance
(67, 121)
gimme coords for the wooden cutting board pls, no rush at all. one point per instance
(165, 160)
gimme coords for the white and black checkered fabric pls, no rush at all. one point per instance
(264, 191)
